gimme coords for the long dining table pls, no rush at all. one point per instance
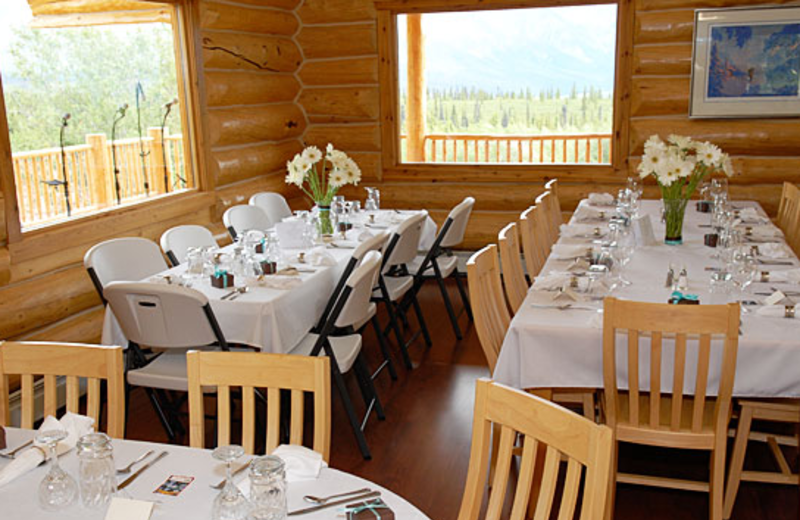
(275, 318)
(562, 347)
(18, 499)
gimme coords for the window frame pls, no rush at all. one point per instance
(395, 170)
(186, 42)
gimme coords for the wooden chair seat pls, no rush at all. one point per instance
(666, 437)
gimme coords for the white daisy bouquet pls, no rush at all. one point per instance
(679, 165)
(320, 178)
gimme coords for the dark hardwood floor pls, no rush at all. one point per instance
(421, 450)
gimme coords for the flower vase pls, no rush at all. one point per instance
(324, 224)
(674, 211)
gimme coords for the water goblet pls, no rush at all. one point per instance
(58, 489)
(230, 504)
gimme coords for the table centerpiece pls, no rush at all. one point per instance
(679, 165)
(320, 178)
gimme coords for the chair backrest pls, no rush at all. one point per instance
(273, 204)
(544, 210)
(164, 316)
(73, 360)
(249, 370)
(128, 259)
(532, 239)
(513, 272)
(549, 432)
(358, 290)
(789, 215)
(404, 242)
(175, 242)
(680, 324)
(238, 219)
(555, 206)
(459, 216)
(489, 307)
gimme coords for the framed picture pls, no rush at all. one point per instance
(746, 63)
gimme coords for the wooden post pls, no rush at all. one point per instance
(98, 168)
(415, 116)
(155, 163)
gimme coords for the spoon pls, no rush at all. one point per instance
(239, 291)
(140, 458)
(322, 500)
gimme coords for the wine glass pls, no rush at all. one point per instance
(622, 250)
(744, 269)
(58, 489)
(230, 504)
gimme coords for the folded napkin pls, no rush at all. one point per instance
(569, 251)
(584, 213)
(551, 299)
(552, 281)
(789, 275)
(775, 311)
(301, 463)
(291, 233)
(774, 250)
(75, 425)
(282, 282)
(763, 232)
(601, 199)
(751, 216)
(319, 257)
(583, 231)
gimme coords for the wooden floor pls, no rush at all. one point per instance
(421, 450)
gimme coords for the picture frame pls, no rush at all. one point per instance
(746, 63)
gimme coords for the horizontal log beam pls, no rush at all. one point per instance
(226, 88)
(275, 4)
(249, 52)
(244, 163)
(653, 96)
(336, 11)
(341, 105)
(253, 124)
(662, 60)
(652, 5)
(338, 41)
(490, 173)
(361, 138)
(427, 6)
(664, 27)
(357, 71)
(241, 192)
(228, 17)
(84, 327)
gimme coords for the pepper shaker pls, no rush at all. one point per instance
(683, 280)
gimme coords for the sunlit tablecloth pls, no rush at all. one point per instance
(563, 348)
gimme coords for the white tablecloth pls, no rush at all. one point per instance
(563, 348)
(276, 320)
(18, 500)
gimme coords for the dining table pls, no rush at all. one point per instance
(561, 345)
(275, 313)
(18, 499)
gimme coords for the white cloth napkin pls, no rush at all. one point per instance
(789, 275)
(301, 463)
(551, 281)
(774, 311)
(564, 251)
(583, 231)
(601, 199)
(751, 216)
(773, 250)
(280, 282)
(584, 213)
(319, 257)
(766, 231)
(75, 425)
(549, 299)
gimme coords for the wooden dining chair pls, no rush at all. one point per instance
(550, 433)
(513, 272)
(95, 363)
(489, 309)
(555, 203)
(789, 215)
(247, 371)
(545, 221)
(533, 240)
(681, 419)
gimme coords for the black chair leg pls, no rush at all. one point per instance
(421, 319)
(397, 332)
(351, 414)
(447, 303)
(165, 422)
(463, 291)
(371, 395)
(384, 348)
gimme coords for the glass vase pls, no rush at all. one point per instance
(674, 211)
(324, 224)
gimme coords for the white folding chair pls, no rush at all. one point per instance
(344, 351)
(167, 317)
(128, 259)
(238, 219)
(395, 284)
(175, 242)
(273, 204)
(439, 262)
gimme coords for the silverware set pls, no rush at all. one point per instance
(352, 497)
(13, 453)
(127, 469)
(125, 483)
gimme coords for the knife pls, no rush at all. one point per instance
(139, 471)
(356, 498)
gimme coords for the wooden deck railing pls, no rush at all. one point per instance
(519, 149)
(90, 175)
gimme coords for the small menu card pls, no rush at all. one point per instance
(127, 509)
(643, 231)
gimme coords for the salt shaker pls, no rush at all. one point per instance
(96, 473)
(683, 280)
(670, 277)
(268, 488)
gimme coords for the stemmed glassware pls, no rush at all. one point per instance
(622, 250)
(230, 504)
(58, 489)
(744, 268)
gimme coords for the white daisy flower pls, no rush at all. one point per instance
(709, 154)
(337, 178)
(312, 154)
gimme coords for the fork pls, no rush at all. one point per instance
(13, 453)
(140, 458)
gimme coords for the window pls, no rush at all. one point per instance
(95, 106)
(519, 86)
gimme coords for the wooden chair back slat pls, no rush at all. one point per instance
(655, 378)
(544, 218)
(513, 274)
(251, 371)
(74, 362)
(489, 307)
(550, 433)
(789, 215)
(678, 377)
(530, 237)
(703, 359)
(633, 376)
(555, 204)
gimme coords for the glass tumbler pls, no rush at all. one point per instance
(267, 488)
(96, 473)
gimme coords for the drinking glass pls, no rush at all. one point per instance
(194, 262)
(230, 504)
(719, 189)
(267, 488)
(58, 489)
(622, 250)
(744, 269)
(97, 474)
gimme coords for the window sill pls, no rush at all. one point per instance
(493, 172)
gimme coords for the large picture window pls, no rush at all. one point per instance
(517, 86)
(95, 105)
